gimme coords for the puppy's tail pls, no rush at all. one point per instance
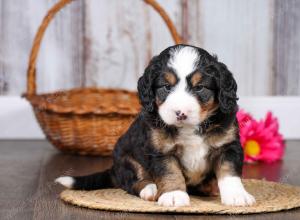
(99, 180)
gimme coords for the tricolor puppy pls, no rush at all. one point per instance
(186, 137)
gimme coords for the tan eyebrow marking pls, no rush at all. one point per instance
(196, 78)
(171, 78)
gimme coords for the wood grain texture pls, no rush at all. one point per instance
(109, 43)
(60, 59)
(60, 62)
(28, 191)
(115, 33)
(287, 47)
(3, 81)
(15, 38)
(240, 33)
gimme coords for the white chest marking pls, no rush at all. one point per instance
(193, 154)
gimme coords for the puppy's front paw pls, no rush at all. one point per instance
(174, 198)
(238, 198)
(233, 193)
(149, 192)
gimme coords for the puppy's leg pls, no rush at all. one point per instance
(170, 183)
(228, 173)
(135, 179)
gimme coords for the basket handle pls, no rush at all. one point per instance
(31, 71)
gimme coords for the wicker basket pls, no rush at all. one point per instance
(85, 121)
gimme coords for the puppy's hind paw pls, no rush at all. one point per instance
(149, 192)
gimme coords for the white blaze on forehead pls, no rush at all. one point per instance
(183, 60)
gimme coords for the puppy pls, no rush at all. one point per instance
(186, 137)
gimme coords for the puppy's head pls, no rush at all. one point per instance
(185, 85)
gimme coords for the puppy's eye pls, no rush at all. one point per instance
(198, 88)
(167, 88)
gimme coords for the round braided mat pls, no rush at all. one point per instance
(270, 197)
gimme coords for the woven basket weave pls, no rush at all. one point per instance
(84, 120)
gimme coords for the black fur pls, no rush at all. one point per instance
(94, 181)
(145, 85)
(227, 87)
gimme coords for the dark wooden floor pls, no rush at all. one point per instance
(27, 191)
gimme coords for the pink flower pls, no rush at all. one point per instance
(261, 140)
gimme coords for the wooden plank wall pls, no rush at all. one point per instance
(240, 33)
(121, 37)
(109, 43)
(287, 47)
(60, 60)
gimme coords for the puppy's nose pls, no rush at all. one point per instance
(180, 116)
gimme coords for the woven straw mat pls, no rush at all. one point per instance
(270, 197)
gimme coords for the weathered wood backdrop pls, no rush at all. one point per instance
(109, 42)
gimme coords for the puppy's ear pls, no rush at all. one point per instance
(145, 85)
(227, 87)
